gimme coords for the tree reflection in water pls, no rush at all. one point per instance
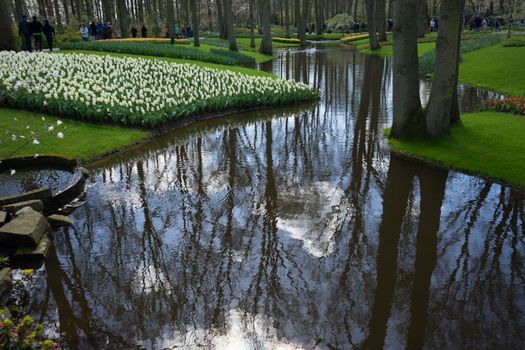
(291, 228)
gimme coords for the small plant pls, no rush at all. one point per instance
(25, 335)
(515, 105)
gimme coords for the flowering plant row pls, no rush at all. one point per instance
(350, 38)
(151, 49)
(146, 40)
(514, 105)
(133, 91)
(287, 40)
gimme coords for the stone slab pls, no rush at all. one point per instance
(35, 204)
(59, 220)
(6, 284)
(25, 230)
(3, 217)
(27, 253)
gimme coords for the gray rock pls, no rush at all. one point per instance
(25, 230)
(59, 220)
(35, 204)
(85, 172)
(3, 217)
(28, 253)
(6, 284)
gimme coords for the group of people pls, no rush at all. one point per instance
(33, 31)
(143, 31)
(96, 31)
(181, 32)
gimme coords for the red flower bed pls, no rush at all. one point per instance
(514, 105)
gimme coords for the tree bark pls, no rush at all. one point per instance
(123, 18)
(408, 119)
(195, 18)
(266, 43)
(252, 24)
(223, 31)
(230, 30)
(381, 19)
(287, 17)
(171, 20)
(7, 40)
(423, 19)
(19, 9)
(438, 114)
(371, 6)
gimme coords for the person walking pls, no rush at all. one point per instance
(36, 31)
(92, 31)
(144, 31)
(84, 32)
(24, 30)
(134, 31)
(49, 33)
(432, 25)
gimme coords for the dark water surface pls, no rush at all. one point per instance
(290, 229)
(24, 180)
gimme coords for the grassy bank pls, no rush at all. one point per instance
(488, 143)
(496, 68)
(81, 140)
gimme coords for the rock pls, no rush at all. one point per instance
(85, 172)
(25, 230)
(59, 220)
(3, 217)
(35, 204)
(6, 283)
(28, 253)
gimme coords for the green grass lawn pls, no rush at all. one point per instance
(243, 70)
(496, 68)
(488, 143)
(82, 141)
(243, 44)
(387, 50)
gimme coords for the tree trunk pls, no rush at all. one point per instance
(287, 17)
(223, 31)
(408, 119)
(266, 43)
(445, 73)
(371, 6)
(58, 16)
(19, 9)
(455, 117)
(230, 30)
(123, 18)
(7, 40)
(252, 24)
(300, 24)
(423, 19)
(381, 19)
(171, 20)
(195, 18)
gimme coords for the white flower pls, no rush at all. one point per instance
(60, 135)
(36, 142)
(51, 128)
(59, 122)
(13, 171)
(13, 137)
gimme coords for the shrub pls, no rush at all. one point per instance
(514, 105)
(239, 58)
(148, 40)
(151, 49)
(342, 23)
(133, 91)
(24, 335)
(514, 43)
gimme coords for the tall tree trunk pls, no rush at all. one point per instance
(300, 24)
(408, 118)
(266, 43)
(7, 40)
(58, 16)
(123, 18)
(171, 20)
(445, 73)
(252, 24)
(287, 17)
(223, 31)
(455, 117)
(195, 18)
(230, 30)
(423, 19)
(19, 9)
(381, 19)
(371, 6)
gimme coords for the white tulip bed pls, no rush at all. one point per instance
(133, 91)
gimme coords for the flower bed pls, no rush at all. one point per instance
(514, 105)
(287, 40)
(147, 40)
(133, 91)
(350, 38)
(152, 49)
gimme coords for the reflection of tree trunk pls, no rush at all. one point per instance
(432, 191)
(395, 198)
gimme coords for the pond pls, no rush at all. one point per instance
(29, 179)
(291, 228)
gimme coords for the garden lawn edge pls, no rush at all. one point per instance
(487, 145)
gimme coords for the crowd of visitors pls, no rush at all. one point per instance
(181, 32)
(33, 31)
